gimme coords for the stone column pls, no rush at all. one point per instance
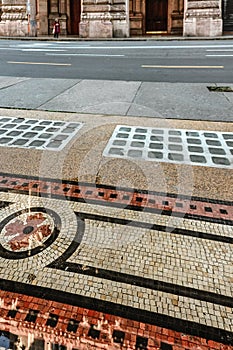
(202, 18)
(42, 17)
(31, 12)
(120, 18)
(14, 19)
(96, 19)
(63, 16)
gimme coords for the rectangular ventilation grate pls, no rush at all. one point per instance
(36, 133)
(194, 147)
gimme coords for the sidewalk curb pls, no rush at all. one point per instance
(144, 38)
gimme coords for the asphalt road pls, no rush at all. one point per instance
(186, 61)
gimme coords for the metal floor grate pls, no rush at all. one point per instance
(195, 147)
(36, 133)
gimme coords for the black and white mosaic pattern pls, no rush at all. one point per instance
(36, 133)
(162, 269)
(195, 147)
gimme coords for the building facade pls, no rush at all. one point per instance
(116, 18)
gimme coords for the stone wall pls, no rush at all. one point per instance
(42, 17)
(202, 18)
(14, 18)
(95, 19)
(110, 18)
(105, 19)
(120, 18)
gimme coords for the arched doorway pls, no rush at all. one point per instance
(156, 16)
(75, 13)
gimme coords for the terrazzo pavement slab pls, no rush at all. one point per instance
(6, 82)
(31, 93)
(82, 158)
(93, 96)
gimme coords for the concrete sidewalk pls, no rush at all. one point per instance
(123, 98)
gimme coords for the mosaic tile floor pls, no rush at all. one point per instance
(162, 266)
(125, 253)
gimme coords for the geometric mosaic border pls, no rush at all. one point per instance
(162, 203)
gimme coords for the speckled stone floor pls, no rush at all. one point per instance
(82, 158)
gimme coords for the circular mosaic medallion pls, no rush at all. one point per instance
(28, 232)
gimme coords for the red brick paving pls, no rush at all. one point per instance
(106, 323)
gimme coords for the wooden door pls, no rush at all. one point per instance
(156, 15)
(75, 12)
(227, 9)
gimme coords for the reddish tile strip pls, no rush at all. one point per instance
(80, 338)
(104, 195)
